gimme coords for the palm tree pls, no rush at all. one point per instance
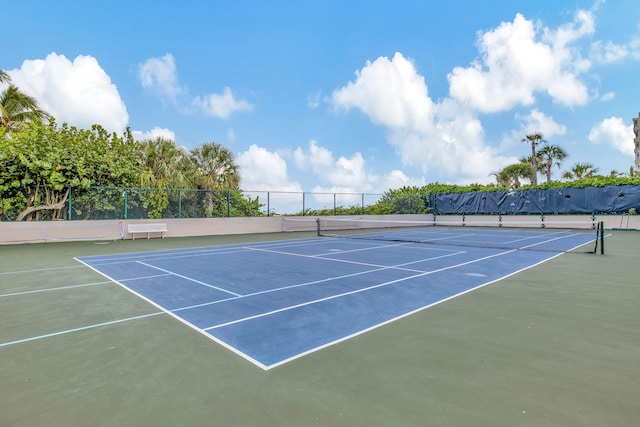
(534, 139)
(581, 170)
(532, 177)
(4, 76)
(510, 176)
(550, 155)
(216, 170)
(17, 108)
(167, 165)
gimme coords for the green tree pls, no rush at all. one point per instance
(534, 140)
(166, 165)
(550, 155)
(216, 170)
(4, 77)
(580, 171)
(40, 164)
(510, 175)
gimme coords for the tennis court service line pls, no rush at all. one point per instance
(82, 328)
(39, 269)
(379, 285)
(190, 279)
(186, 253)
(315, 282)
(35, 291)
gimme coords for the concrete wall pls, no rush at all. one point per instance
(51, 231)
(549, 221)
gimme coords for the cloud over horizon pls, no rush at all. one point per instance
(78, 92)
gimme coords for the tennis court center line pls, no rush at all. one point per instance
(539, 235)
(346, 261)
(190, 279)
(82, 328)
(379, 285)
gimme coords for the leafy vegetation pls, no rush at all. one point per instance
(40, 164)
(43, 165)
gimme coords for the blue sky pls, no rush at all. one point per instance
(342, 96)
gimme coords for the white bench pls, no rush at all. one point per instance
(148, 228)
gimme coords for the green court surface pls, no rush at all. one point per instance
(555, 345)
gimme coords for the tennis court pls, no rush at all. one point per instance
(273, 302)
(362, 331)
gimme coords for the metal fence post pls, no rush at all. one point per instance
(69, 212)
(125, 194)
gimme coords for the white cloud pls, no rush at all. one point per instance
(221, 105)
(605, 53)
(610, 52)
(263, 174)
(615, 133)
(347, 174)
(317, 159)
(443, 140)
(161, 75)
(261, 169)
(342, 175)
(79, 92)
(154, 133)
(313, 99)
(390, 92)
(609, 96)
(538, 122)
(515, 64)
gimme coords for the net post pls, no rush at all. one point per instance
(601, 227)
(318, 227)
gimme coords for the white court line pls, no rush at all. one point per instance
(155, 257)
(160, 255)
(189, 278)
(12, 294)
(426, 273)
(344, 261)
(151, 276)
(369, 248)
(39, 269)
(82, 328)
(315, 282)
(186, 252)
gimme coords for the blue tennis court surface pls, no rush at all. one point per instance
(274, 302)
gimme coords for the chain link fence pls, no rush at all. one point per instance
(99, 203)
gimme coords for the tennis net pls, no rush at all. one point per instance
(548, 236)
